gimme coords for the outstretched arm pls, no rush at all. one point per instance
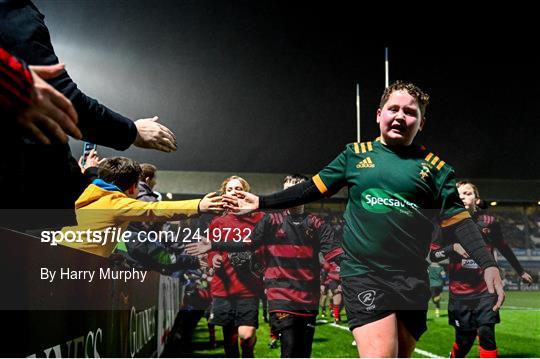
(301, 193)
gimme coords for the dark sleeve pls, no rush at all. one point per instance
(440, 254)
(301, 193)
(440, 248)
(90, 174)
(467, 233)
(330, 243)
(24, 34)
(505, 249)
(255, 240)
(15, 83)
(185, 262)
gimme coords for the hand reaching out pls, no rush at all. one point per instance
(211, 203)
(198, 248)
(242, 203)
(152, 134)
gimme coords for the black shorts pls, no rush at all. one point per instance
(435, 291)
(372, 296)
(235, 312)
(468, 313)
(335, 286)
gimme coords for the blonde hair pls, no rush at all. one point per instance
(245, 185)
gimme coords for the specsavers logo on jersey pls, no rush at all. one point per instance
(377, 200)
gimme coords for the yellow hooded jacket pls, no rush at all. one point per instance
(103, 205)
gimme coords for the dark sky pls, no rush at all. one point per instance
(260, 86)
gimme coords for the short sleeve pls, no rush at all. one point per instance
(451, 207)
(333, 175)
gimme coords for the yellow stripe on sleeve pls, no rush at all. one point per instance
(455, 219)
(428, 157)
(369, 146)
(356, 149)
(363, 146)
(439, 166)
(434, 160)
(320, 184)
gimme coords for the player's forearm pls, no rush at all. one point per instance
(302, 193)
(469, 236)
(507, 252)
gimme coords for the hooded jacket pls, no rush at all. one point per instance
(103, 213)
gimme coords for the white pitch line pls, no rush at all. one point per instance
(426, 354)
(522, 308)
(416, 350)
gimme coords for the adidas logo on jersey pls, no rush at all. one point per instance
(365, 163)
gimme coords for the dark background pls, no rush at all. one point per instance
(265, 86)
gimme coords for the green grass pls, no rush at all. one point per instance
(518, 334)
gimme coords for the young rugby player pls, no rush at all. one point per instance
(396, 188)
(470, 305)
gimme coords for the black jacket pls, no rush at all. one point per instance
(34, 175)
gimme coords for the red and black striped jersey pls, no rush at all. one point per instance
(228, 281)
(292, 243)
(465, 275)
(15, 83)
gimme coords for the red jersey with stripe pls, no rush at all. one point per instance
(227, 280)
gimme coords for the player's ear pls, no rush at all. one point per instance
(422, 123)
(477, 201)
(379, 111)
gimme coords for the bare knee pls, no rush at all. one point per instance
(246, 332)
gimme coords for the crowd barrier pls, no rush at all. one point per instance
(75, 317)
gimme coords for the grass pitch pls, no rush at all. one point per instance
(518, 334)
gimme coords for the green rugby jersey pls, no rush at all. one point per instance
(396, 194)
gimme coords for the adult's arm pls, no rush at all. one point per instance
(24, 34)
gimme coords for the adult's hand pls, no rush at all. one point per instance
(51, 114)
(152, 134)
(494, 284)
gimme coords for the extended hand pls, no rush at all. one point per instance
(242, 203)
(151, 134)
(211, 203)
(198, 248)
(51, 114)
